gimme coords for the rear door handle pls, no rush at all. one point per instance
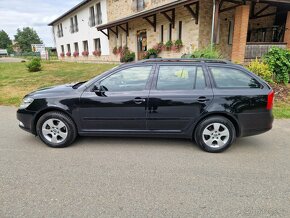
(139, 100)
(203, 99)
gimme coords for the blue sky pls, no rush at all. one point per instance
(33, 13)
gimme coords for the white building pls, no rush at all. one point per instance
(75, 33)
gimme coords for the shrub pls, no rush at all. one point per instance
(208, 52)
(68, 54)
(127, 55)
(262, 70)
(151, 53)
(278, 60)
(34, 65)
(61, 54)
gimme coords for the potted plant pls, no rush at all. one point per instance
(159, 47)
(68, 54)
(168, 45)
(177, 45)
(85, 53)
(115, 50)
(62, 54)
(151, 53)
(97, 53)
(120, 49)
(76, 54)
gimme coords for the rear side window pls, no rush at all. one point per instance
(180, 78)
(232, 78)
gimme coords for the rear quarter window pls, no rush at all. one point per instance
(233, 78)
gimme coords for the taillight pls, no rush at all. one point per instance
(270, 100)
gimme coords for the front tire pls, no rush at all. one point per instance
(56, 129)
(215, 134)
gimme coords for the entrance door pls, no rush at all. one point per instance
(141, 43)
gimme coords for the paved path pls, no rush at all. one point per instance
(113, 177)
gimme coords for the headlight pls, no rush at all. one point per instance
(26, 102)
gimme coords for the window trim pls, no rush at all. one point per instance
(155, 79)
(232, 88)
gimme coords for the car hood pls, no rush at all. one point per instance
(59, 90)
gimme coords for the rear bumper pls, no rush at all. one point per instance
(255, 123)
(26, 120)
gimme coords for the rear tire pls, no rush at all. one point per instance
(215, 134)
(56, 129)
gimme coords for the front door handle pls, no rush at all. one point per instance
(139, 100)
(203, 99)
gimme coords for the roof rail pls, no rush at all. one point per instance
(186, 60)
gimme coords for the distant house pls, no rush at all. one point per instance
(241, 29)
(75, 32)
(3, 52)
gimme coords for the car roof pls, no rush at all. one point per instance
(185, 60)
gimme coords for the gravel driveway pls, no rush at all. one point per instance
(126, 177)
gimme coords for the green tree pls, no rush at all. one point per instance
(5, 41)
(26, 37)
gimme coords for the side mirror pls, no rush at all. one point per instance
(96, 89)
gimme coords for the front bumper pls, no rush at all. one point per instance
(26, 120)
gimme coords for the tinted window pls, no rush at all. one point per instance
(131, 79)
(180, 78)
(232, 78)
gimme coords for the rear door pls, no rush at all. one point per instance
(179, 95)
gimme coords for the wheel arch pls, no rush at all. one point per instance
(222, 114)
(47, 110)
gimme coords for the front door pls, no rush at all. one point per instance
(141, 43)
(119, 104)
(178, 98)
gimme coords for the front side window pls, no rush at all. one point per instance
(232, 78)
(131, 79)
(85, 45)
(180, 78)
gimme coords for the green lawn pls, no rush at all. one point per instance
(16, 81)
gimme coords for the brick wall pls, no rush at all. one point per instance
(240, 33)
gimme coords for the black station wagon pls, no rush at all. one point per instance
(210, 101)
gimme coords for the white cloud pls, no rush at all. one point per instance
(33, 13)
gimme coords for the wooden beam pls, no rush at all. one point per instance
(106, 34)
(170, 19)
(216, 21)
(114, 31)
(262, 10)
(126, 30)
(195, 13)
(152, 23)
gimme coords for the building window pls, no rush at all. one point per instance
(170, 32)
(62, 48)
(92, 19)
(180, 30)
(162, 34)
(86, 46)
(99, 13)
(140, 5)
(231, 32)
(76, 46)
(74, 24)
(97, 43)
(68, 48)
(59, 30)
